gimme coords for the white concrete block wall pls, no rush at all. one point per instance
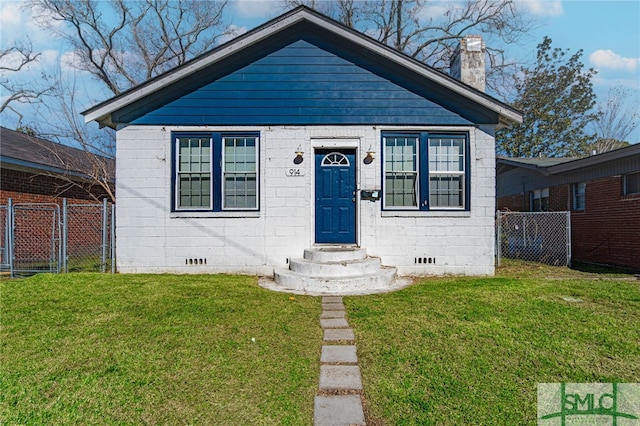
(150, 238)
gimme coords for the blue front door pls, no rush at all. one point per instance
(335, 196)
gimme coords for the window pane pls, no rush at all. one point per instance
(446, 154)
(446, 191)
(447, 172)
(194, 180)
(540, 200)
(632, 184)
(401, 163)
(578, 196)
(239, 170)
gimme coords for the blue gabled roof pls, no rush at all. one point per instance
(303, 68)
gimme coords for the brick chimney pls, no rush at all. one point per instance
(467, 62)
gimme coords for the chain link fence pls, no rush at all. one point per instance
(56, 238)
(543, 237)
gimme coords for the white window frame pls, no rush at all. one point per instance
(179, 173)
(415, 173)
(224, 172)
(448, 173)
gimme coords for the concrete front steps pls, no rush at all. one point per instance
(341, 270)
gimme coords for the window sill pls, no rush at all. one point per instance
(432, 213)
(227, 214)
(628, 197)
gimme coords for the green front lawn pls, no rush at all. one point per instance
(459, 351)
(156, 349)
(166, 349)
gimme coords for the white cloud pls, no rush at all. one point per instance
(436, 10)
(10, 14)
(232, 32)
(543, 7)
(48, 57)
(20, 24)
(255, 8)
(11, 22)
(611, 60)
(70, 60)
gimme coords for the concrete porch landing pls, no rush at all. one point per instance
(338, 270)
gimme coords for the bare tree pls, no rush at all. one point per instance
(123, 43)
(15, 59)
(616, 121)
(120, 43)
(93, 165)
(425, 31)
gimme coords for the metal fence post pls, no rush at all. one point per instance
(105, 232)
(53, 239)
(113, 239)
(65, 233)
(498, 237)
(9, 234)
(569, 239)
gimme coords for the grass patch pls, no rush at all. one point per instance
(451, 351)
(166, 349)
(156, 349)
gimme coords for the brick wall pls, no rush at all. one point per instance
(560, 198)
(34, 227)
(24, 187)
(608, 230)
(515, 202)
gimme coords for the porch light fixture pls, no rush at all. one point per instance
(371, 154)
(299, 154)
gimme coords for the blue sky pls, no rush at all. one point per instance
(607, 31)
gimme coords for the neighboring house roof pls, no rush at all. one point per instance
(23, 152)
(235, 53)
(539, 164)
(555, 166)
(519, 175)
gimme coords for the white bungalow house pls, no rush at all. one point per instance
(304, 136)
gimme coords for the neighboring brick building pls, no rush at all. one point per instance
(34, 170)
(37, 171)
(602, 192)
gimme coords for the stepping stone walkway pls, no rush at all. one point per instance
(338, 401)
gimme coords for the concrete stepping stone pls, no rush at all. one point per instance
(340, 377)
(334, 334)
(333, 323)
(337, 410)
(340, 410)
(339, 354)
(332, 314)
(332, 307)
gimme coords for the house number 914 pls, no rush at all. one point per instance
(295, 172)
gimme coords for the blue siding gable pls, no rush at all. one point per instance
(305, 81)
